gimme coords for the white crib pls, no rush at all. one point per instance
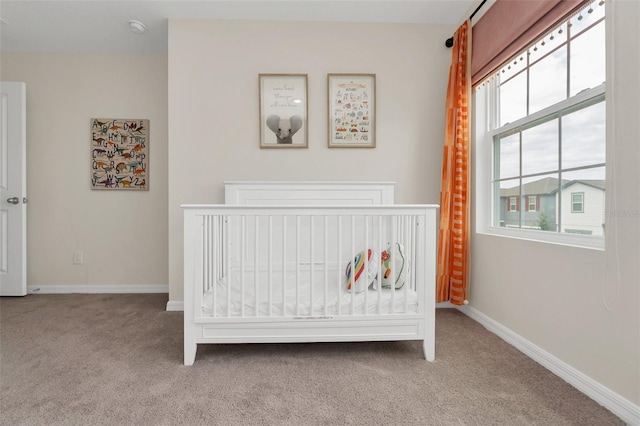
(269, 266)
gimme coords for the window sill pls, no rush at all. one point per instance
(577, 241)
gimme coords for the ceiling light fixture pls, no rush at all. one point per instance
(137, 27)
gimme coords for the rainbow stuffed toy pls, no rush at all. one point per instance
(362, 283)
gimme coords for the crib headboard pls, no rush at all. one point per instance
(308, 193)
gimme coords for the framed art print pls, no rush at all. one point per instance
(352, 110)
(119, 154)
(283, 111)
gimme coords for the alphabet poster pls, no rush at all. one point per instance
(119, 154)
(352, 110)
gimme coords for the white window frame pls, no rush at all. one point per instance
(485, 107)
(529, 203)
(482, 104)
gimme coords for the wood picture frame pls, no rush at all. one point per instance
(283, 111)
(352, 110)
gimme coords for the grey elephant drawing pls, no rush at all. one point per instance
(284, 128)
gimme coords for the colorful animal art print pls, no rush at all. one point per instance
(119, 154)
(352, 110)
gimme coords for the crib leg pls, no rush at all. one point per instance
(190, 352)
(428, 348)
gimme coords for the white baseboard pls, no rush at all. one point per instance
(621, 407)
(175, 305)
(446, 305)
(97, 289)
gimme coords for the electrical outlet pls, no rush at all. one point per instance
(77, 257)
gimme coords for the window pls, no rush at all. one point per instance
(513, 204)
(577, 202)
(543, 120)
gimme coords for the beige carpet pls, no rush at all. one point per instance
(117, 360)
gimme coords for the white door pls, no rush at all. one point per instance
(13, 189)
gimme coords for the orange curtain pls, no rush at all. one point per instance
(453, 246)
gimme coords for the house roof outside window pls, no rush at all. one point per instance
(549, 186)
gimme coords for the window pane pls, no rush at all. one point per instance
(583, 197)
(507, 203)
(539, 50)
(513, 99)
(583, 137)
(584, 19)
(512, 68)
(509, 156)
(548, 80)
(588, 60)
(540, 148)
(540, 192)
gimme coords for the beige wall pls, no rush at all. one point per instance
(123, 234)
(213, 109)
(582, 306)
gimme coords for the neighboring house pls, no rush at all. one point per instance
(581, 212)
(583, 207)
(537, 205)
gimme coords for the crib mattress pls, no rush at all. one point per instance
(283, 298)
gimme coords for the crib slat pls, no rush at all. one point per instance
(284, 266)
(210, 252)
(326, 261)
(411, 250)
(353, 264)
(270, 260)
(392, 260)
(220, 247)
(224, 244)
(380, 248)
(339, 268)
(405, 242)
(217, 246)
(199, 270)
(311, 265)
(224, 247)
(212, 264)
(208, 256)
(205, 255)
(366, 264)
(400, 234)
(255, 266)
(415, 251)
(206, 270)
(243, 254)
(298, 266)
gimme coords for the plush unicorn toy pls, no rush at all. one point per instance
(284, 128)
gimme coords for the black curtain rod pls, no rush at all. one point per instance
(449, 42)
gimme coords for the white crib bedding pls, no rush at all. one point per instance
(339, 301)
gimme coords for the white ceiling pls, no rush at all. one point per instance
(102, 26)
